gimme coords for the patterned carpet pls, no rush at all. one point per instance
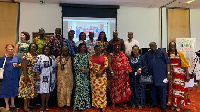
(194, 107)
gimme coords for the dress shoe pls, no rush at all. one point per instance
(152, 106)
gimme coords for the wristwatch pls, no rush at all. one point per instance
(168, 73)
(111, 72)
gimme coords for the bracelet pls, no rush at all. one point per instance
(139, 69)
(111, 72)
(168, 73)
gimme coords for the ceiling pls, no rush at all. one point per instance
(132, 3)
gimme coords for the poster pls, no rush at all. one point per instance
(188, 47)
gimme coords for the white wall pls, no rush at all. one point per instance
(195, 26)
(143, 22)
(34, 16)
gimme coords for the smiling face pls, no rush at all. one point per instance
(33, 48)
(135, 51)
(83, 36)
(97, 50)
(10, 50)
(65, 50)
(47, 51)
(172, 46)
(22, 37)
(83, 49)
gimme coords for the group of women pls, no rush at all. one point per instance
(85, 72)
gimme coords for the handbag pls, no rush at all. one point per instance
(2, 69)
(147, 79)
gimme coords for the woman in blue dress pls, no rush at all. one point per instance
(139, 67)
(45, 75)
(9, 85)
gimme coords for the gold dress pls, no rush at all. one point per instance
(64, 82)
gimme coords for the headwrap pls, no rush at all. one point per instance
(117, 43)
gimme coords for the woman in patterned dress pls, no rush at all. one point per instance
(139, 67)
(102, 42)
(45, 73)
(22, 46)
(178, 95)
(27, 83)
(98, 63)
(81, 66)
(64, 79)
(119, 79)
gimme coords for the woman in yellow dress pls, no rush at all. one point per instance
(98, 63)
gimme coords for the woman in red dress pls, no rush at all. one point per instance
(119, 81)
(177, 94)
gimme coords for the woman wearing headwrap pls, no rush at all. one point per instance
(119, 81)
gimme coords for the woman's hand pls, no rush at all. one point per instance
(16, 65)
(98, 74)
(139, 71)
(85, 71)
(37, 77)
(187, 78)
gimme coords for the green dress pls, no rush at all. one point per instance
(82, 95)
(22, 48)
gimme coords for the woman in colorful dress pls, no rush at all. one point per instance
(45, 73)
(119, 81)
(81, 66)
(10, 81)
(102, 42)
(22, 46)
(98, 63)
(64, 79)
(178, 95)
(139, 67)
(27, 82)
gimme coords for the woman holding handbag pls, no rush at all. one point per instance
(139, 67)
(9, 86)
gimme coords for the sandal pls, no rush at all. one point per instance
(112, 107)
(173, 108)
(140, 107)
(178, 109)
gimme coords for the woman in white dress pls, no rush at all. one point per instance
(45, 74)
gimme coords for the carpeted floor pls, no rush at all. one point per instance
(194, 107)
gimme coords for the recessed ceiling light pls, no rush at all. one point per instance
(190, 1)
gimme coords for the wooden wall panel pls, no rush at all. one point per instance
(178, 24)
(8, 24)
